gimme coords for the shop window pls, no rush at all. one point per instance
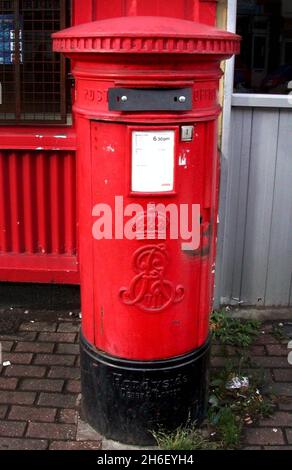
(33, 80)
(265, 62)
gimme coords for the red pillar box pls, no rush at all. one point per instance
(146, 114)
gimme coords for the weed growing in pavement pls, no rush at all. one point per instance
(236, 398)
(184, 438)
(234, 331)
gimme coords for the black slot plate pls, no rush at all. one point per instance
(150, 99)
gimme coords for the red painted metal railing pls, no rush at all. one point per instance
(38, 209)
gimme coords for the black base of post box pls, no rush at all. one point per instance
(126, 400)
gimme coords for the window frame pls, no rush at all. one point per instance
(17, 105)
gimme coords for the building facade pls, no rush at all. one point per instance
(38, 218)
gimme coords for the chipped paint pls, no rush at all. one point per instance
(182, 160)
(110, 148)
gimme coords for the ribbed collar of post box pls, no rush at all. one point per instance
(146, 34)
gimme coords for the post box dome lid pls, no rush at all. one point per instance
(145, 34)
